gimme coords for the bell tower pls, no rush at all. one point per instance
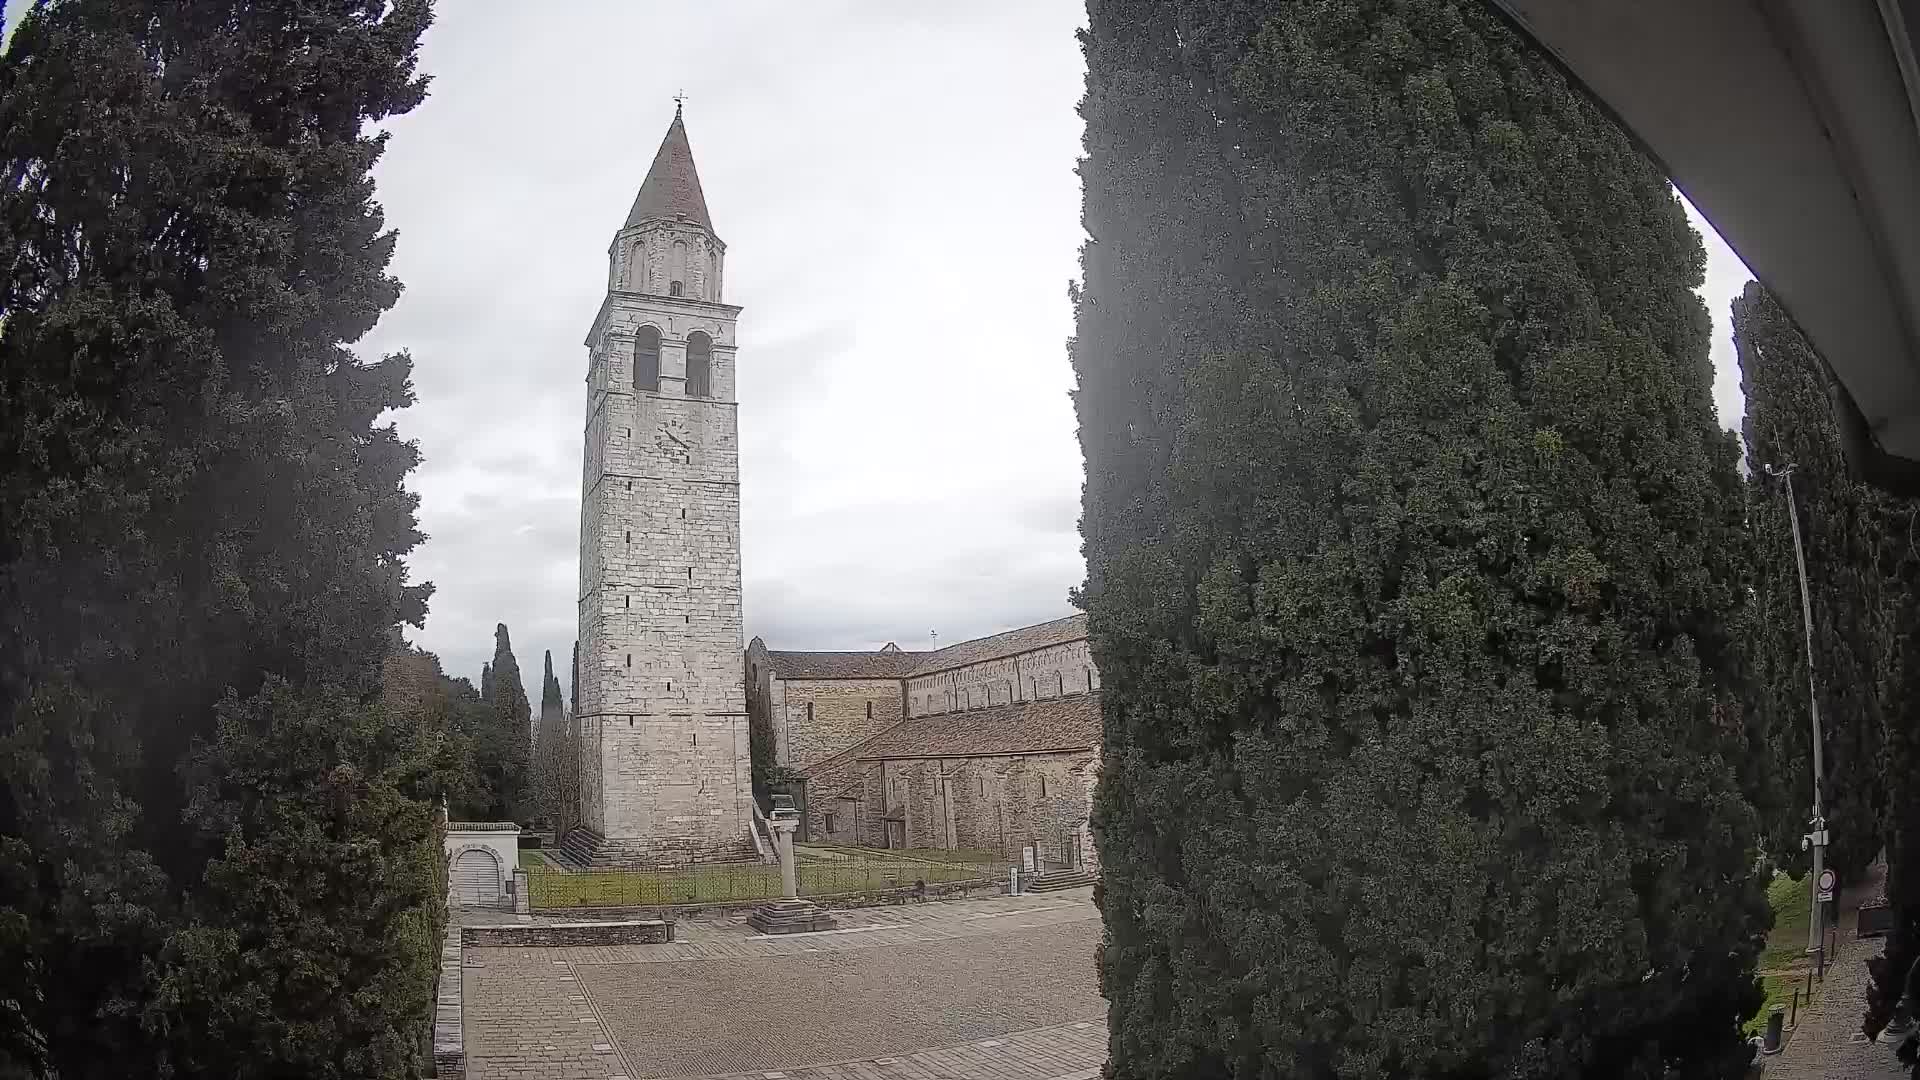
(662, 714)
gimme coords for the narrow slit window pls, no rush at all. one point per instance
(629, 661)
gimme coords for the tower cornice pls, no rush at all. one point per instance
(671, 305)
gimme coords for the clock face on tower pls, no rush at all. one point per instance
(674, 441)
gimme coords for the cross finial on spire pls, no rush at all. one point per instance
(679, 99)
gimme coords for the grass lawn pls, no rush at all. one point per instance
(1779, 990)
(1787, 941)
(531, 860)
(549, 888)
(1785, 953)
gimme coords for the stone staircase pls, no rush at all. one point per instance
(584, 849)
(580, 849)
(763, 845)
(1055, 880)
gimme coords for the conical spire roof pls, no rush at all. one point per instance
(672, 187)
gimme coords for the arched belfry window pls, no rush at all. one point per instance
(646, 359)
(699, 365)
(676, 288)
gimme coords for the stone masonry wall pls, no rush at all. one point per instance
(527, 935)
(997, 804)
(662, 689)
(814, 719)
(1029, 676)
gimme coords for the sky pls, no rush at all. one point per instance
(895, 185)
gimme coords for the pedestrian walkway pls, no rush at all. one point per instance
(1826, 1043)
(1062, 1052)
(958, 990)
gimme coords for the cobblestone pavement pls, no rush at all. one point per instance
(968, 979)
(1827, 1043)
(1067, 1052)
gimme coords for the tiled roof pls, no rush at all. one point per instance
(672, 187)
(834, 776)
(842, 665)
(1025, 639)
(1022, 727)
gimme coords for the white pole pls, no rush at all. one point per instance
(1817, 839)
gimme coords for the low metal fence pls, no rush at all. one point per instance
(716, 883)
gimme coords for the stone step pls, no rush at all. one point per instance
(791, 917)
(1055, 880)
(580, 849)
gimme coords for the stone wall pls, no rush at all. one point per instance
(449, 1044)
(814, 719)
(662, 696)
(997, 804)
(522, 935)
(1029, 676)
(649, 257)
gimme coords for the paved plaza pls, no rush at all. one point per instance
(966, 990)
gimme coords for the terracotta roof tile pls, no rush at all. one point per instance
(841, 665)
(1025, 639)
(1023, 727)
(672, 188)
(891, 663)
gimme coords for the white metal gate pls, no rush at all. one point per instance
(476, 879)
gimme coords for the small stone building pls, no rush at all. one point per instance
(988, 745)
(481, 856)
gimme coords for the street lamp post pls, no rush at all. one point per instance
(1816, 840)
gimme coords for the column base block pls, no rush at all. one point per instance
(790, 916)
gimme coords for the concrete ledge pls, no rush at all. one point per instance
(791, 916)
(449, 1048)
(521, 935)
(904, 894)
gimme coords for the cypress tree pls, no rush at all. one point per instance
(1790, 420)
(200, 512)
(1413, 547)
(341, 983)
(503, 741)
(1899, 533)
(550, 753)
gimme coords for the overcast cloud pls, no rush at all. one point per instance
(895, 183)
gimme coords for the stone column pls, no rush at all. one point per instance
(789, 914)
(783, 829)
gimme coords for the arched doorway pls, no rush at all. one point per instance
(476, 878)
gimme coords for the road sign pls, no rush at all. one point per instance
(1826, 881)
